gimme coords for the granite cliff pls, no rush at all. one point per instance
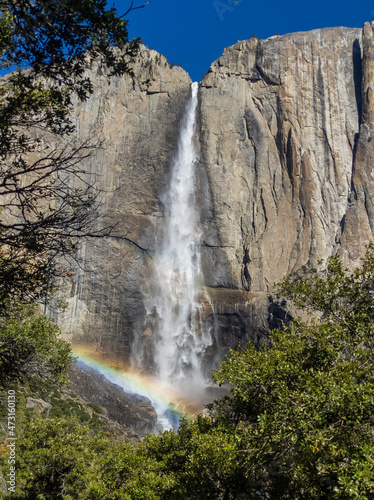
(285, 129)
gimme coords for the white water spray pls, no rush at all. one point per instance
(179, 341)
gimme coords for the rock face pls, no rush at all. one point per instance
(285, 178)
(279, 122)
(129, 410)
(137, 121)
(279, 119)
(359, 219)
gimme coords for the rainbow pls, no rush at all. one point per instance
(168, 404)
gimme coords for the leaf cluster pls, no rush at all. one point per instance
(55, 39)
(335, 294)
(57, 458)
(31, 348)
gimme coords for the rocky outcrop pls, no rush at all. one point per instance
(280, 139)
(38, 405)
(132, 412)
(359, 219)
(284, 180)
(279, 118)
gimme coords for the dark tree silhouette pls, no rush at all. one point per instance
(41, 216)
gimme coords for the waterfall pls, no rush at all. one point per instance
(173, 302)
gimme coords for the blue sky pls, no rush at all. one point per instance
(195, 32)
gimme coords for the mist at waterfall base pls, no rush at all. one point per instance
(177, 383)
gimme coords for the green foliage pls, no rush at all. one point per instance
(128, 473)
(95, 408)
(64, 407)
(56, 38)
(57, 458)
(61, 458)
(302, 408)
(337, 295)
(298, 424)
(200, 461)
(31, 349)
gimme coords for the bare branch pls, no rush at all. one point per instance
(131, 8)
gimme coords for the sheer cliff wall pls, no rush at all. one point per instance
(280, 137)
(284, 178)
(135, 120)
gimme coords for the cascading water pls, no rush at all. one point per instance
(174, 379)
(173, 301)
(180, 343)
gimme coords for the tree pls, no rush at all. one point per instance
(57, 458)
(51, 43)
(302, 408)
(199, 461)
(30, 348)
